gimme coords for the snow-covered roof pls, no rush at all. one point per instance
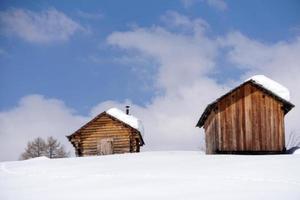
(277, 90)
(272, 86)
(127, 119)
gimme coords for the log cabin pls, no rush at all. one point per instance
(111, 132)
(249, 119)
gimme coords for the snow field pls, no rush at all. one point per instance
(153, 175)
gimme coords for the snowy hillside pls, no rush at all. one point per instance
(153, 175)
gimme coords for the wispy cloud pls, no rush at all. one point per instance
(89, 15)
(174, 19)
(38, 27)
(217, 4)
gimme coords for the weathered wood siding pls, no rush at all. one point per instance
(124, 138)
(247, 120)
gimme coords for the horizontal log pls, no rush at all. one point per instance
(96, 141)
(105, 134)
(87, 152)
(115, 144)
(105, 131)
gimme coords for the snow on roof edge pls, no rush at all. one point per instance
(127, 119)
(272, 86)
(261, 80)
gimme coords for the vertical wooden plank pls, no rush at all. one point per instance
(278, 127)
(219, 131)
(248, 118)
(280, 146)
(275, 125)
(206, 139)
(243, 120)
(238, 123)
(260, 124)
(282, 129)
(223, 125)
(225, 134)
(208, 135)
(233, 122)
(214, 130)
(263, 122)
(272, 125)
(276, 143)
(268, 123)
(228, 124)
(255, 119)
(253, 116)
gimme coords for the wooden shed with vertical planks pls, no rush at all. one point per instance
(248, 119)
(111, 132)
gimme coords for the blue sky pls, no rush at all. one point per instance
(159, 56)
(64, 70)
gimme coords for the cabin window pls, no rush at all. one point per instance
(105, 146)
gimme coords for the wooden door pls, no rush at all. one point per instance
(105, 146)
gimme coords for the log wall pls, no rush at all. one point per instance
(125, 139)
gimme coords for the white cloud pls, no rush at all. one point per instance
(178, 54)
(184, 62)
(217, 4)
(38, 27)
(35, 116)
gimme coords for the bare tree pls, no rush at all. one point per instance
(55, 149)
(293, 140)
(35, 148)
(38, 147)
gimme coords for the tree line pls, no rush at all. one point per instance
(50, 148)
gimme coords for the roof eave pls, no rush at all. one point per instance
(287, 106)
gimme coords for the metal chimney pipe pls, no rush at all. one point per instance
(127, 110)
